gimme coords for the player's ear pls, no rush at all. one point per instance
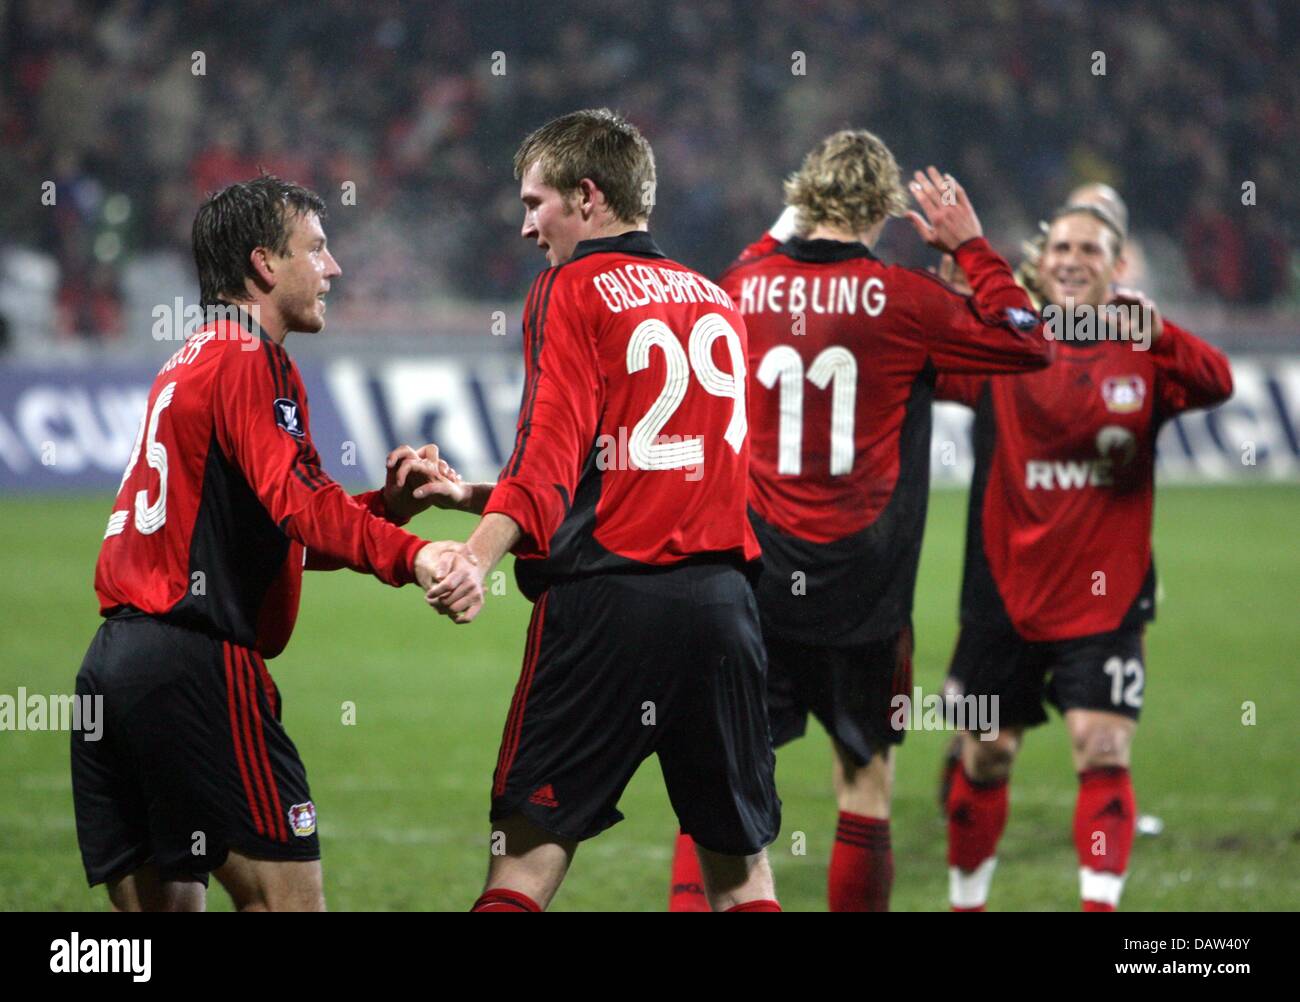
(263, 267)
(590, 197)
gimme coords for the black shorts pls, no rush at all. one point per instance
(1103, 671)
(848, 689)
(192, 761)
(620, 666)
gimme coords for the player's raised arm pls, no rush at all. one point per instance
(779, 232)
(959, 387)
(949, 219)
(1190, 373)
(995, 329)
(261, 425)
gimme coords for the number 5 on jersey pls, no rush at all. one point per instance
(149, 518)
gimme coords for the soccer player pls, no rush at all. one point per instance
(1111, 205)
(222, 504)
(1059, 581)
(1102, 197)
(843, 354)
(624, 503)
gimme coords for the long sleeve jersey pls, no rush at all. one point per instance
(224, 501)
(632, 445)
(844, 351)
(1058, 538)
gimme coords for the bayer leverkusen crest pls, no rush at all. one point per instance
(1124, 394)
(302, 819)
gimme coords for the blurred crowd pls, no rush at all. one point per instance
(405, 117)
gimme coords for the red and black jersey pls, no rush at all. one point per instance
(632, 447)
(223, 492)
(843, 354)
(1058, 538)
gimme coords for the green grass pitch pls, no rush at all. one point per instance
(402, 794)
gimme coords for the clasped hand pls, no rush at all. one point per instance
(421, 479)
(452, 579)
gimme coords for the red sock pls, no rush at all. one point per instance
(760, 905)
(686, 890)
(862, 865)
(1104, 819)
(977, 815)
(501, 899)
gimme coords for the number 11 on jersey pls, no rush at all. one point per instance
(835, 367)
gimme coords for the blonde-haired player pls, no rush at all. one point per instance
(844, 351)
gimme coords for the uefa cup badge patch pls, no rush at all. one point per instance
(302, 819)
(286, 416)
(1124, 394)
(1022, 320)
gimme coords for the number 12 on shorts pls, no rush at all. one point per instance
(1118, 669)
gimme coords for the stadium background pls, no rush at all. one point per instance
(117, 117)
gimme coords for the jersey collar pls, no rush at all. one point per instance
(824, 250)
(252, 326)
(242, 316)
(637, 242)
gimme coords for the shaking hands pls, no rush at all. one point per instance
(419, 480)
(452, 579)
(450, 573)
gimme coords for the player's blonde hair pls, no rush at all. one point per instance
(849, 181)
(600, 145)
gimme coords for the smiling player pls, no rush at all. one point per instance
(1059, 581)
(222, 504)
